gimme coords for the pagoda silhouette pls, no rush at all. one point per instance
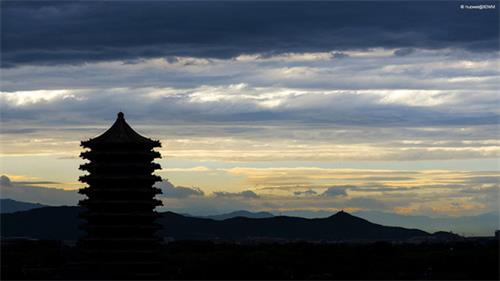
(120, 240)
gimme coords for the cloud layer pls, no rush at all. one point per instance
(37, 192)
(39, 32)
(257, 104)
(430, 192)
(370, 105)
(171, 191)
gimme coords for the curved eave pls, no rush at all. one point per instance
(91, 190)
(90, 155)
(146, 166)
(93, 143)
(106, 178)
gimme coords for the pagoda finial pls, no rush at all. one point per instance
(121, 115)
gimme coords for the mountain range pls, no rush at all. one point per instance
(62, 223)
(11, 206)
(483, 224)
(479, 225)
(235, 214)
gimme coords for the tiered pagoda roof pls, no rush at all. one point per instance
(120, 133)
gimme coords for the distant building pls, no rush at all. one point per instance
(121, 239)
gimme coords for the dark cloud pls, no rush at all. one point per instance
(27, 191)
(248, 194)
(336, 191)
(5, 181)
(36, 182)
(308, 192)
(38, 32)
(404, 52)
(339, 55)
(171, 191)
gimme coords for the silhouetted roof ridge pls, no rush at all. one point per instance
(120, 132)
(342, 213)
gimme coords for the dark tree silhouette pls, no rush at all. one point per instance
(120, 240)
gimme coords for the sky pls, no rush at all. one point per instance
(263, 106)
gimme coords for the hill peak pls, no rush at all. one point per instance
(342, 214)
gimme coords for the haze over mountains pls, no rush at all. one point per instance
(240, 213)
(480, 225)
(483, 224)
(11, 206)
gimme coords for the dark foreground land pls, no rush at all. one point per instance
(478, 259)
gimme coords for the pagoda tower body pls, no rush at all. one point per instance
(120, 226)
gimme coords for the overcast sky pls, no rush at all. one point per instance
(276, 106)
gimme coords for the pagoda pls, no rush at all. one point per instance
(120, 240)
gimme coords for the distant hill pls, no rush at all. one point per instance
(10, 206)
(62, 223)
(42, 223)
(339, 227)
(480, 225)
(241, 213)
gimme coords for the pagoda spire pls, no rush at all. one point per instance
(120, 240)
